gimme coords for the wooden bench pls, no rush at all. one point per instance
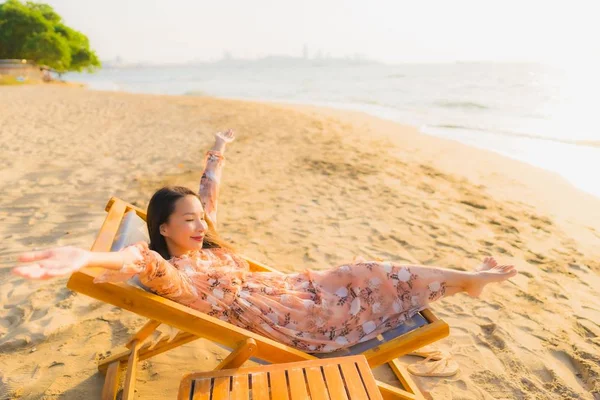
(347, 378)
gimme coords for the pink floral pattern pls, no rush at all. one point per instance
(314, 311)
(210, 182)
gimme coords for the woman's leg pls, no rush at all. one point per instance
(449, 282)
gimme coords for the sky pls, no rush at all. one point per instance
(394, 31)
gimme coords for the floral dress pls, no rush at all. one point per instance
(314, 311)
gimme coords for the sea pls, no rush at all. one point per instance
(544, 115)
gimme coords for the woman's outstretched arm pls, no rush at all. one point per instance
(211, 177)
(60, 261)
(156, 273)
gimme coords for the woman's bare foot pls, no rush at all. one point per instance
(489, 271)
(488, 262)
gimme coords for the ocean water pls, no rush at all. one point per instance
(542, 115)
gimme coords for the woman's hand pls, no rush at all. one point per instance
(226, 137)
(221, 140)
(54, 262)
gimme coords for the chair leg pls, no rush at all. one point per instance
(239, 356)
(111, 381)
(129, 390)
(145, 351)
(389, 392)
(405, 379)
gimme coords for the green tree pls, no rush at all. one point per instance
(35, 31)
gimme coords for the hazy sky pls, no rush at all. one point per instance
(391, 31)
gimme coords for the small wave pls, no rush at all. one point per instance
(461, 104)
(587, 143)
(451, 126)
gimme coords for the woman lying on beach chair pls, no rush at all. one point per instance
(314, 311)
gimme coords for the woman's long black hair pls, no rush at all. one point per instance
(160, 208)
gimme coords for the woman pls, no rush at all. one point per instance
(314, 311)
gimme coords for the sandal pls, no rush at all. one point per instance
(434, 355)
(443, 367)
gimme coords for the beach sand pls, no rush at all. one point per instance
(303, 187)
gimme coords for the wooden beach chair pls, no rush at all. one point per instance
(341, 378)
(124, 225)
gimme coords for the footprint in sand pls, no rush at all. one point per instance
(527, 274)
(491, 337)
(30, 381)
(474, 204)
(529, 297)
(38, 314)
(591, 328)
(568, 370)
(14, 317)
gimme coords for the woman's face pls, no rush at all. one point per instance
(185, 229)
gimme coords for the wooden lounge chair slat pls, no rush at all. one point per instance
(405, 379)
(129, 389)
(429, 316)
(406, 343)
(141, 213)
(202, 389)
(110, 227)
(239, 356)
(111, 382)
(353, 382)
(145, 352)
(239, 388)
(334, 381)
(316, 383)
(370, 386)
(165, 344)
(186, 390)
(143, 333)
(389, 392)
(256, 266)
(297, 384)
(306, 381)
(221, 388)
(260, 386)
(279, 385)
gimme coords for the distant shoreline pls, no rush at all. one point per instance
(525, 146)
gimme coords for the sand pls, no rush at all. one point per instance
(304, 187)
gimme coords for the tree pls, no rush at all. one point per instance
(35, 31)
